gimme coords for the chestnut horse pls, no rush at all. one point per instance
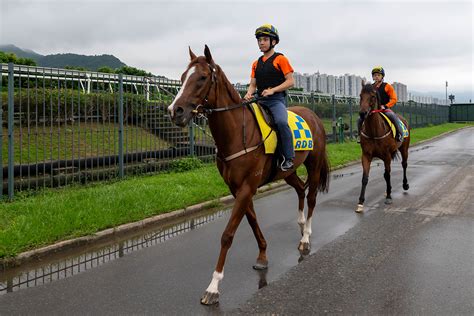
(241, 157)
(376, 141)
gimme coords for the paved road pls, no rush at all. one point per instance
(414, 256)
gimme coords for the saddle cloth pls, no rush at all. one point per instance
(302, 136)
(392, 126)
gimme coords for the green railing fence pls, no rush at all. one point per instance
(66, 126)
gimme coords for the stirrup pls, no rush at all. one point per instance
(286, 164)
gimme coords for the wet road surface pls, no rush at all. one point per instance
(414, 256)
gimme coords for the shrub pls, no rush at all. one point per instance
(185, 164)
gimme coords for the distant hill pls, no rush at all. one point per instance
(63, 60)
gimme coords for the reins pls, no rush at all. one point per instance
(201, 111)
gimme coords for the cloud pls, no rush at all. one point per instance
(421, 44)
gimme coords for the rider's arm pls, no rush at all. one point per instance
(251, 90)
(287, 84)
(253, 83)
(391, 93)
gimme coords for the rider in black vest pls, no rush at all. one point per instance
(387, 99)
(271, 76)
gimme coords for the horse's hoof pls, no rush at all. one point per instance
(406, 186)
(360, 208)
(260, 265)
(304, 248)
(210, 298)
(388, 201)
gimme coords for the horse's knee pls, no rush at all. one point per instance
(226, 240)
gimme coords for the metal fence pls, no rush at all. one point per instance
(64, 126)
(461, 112)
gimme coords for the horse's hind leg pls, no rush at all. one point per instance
(404, 152)
(298, 184)
(262, 262)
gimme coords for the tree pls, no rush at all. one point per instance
(127, 70)
(12, 58)
(106, 69)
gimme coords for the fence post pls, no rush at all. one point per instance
(120, 153)
(1, 134)
(191, 138)
(350, 118)
(334, 134)
(10, 132)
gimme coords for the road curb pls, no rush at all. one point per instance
(120, 230)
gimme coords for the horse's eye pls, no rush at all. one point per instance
(202, 78)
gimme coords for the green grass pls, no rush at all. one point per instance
(68, 142)
(52, 215)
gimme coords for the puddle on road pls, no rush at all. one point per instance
(81, 259)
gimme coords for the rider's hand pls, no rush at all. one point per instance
(268, 92)
(248, 96)
(383, 107)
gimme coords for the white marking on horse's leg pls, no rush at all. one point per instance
(180, 92)
(214, 285)
(360, 208)
(307, 231)
(301, 220)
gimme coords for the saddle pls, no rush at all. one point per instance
(302, 136)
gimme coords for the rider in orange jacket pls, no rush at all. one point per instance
(387, 98)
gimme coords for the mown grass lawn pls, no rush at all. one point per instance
(57, 214)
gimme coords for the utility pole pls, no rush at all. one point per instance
(446, 93)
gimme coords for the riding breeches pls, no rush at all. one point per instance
(395, 120)
(276, 104)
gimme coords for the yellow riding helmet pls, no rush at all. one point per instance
(378, 69)
(267, 30)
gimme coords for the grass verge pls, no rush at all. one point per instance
(52, 215)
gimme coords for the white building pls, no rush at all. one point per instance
(401, 91)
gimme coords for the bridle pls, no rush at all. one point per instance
(370, 112)
(205, 110)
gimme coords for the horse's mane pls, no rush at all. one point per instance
(367, 88)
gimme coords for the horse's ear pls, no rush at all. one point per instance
(207, 53)
(191, 54)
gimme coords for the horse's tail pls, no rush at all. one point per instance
(395, 155)
(323, 185)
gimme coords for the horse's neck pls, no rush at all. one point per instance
(375, 125)
(227, 127)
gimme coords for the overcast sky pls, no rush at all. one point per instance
(421, 44)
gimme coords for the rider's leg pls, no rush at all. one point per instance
(394, 118)
(276, 105)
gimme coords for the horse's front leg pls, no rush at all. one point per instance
(365, 179)
(242, 202)
(386, 175)
(262, 261)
